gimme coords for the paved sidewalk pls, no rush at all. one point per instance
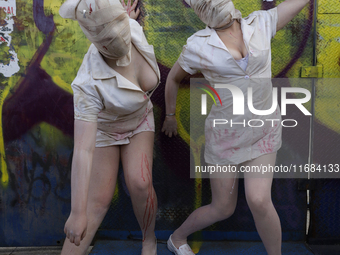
(105, 247)
(46, 250)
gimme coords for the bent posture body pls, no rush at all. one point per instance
(231, 48)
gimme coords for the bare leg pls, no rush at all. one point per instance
(137, 164)
(224, 198)
(102, 186)
(258, 194)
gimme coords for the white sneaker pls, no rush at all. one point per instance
(182, 250)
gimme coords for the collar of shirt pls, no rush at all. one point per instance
(247, 26)
(100, 70)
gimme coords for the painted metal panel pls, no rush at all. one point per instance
(41, 55)
(325, 197)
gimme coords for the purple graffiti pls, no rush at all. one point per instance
(303, 44)
(37, 99)
(44, 23)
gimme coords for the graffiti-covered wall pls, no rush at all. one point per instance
(40, 56)
(326, 140)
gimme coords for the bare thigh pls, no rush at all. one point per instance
(257, 185)
(103, 176)
(137, 159)
(224, 190)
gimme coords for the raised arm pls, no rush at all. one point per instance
(175, 76)
(287, 10)
(84, 144)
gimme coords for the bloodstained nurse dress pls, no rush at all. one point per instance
(254, 135)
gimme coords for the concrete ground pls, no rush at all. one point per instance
(47, 250)
(105, 247)
(132, 248)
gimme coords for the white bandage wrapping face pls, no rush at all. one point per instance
(217, 14)
(105, 23)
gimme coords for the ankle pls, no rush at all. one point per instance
(177, 240)
(149, 246)
(176, 235)
(149, 240)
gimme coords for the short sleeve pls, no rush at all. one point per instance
(271, 20)
(137, 34)
(268, 20)
(188, 59)
(87, 103)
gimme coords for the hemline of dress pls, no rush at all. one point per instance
(232, 163)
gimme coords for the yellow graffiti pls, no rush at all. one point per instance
(327, 106)
(3, 164)
(328, 6)
(115, 196)
(328, 45)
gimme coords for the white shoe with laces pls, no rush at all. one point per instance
(182, 250)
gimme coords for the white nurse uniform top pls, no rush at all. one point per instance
(120, 108)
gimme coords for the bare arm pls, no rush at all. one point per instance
(287, 10)
(175, 76)
(84, 144)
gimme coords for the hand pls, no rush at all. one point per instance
(131, 9)
(170, 126)
(75, 228)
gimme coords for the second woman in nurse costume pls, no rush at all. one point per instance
(232, 48)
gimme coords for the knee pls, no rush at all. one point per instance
(223, 211)
(140, 186)
(259, 205)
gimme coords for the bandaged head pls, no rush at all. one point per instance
(105, 23)
(216, 14)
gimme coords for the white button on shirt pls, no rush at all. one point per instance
(206, 52)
